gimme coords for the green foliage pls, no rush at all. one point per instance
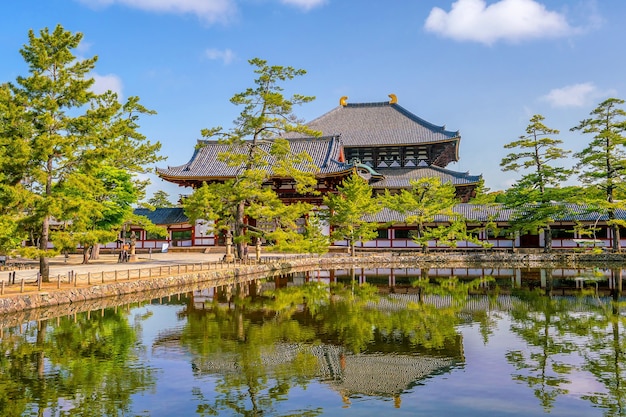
(602, 163)
(311, 240)
(546, 324)
(259, 154)
(427, 199)
(11, 234)
(347, 211)
(535, 197)
(160, 199)
(485, 196)
(72, 162)
(85, 365)
(144, 223)
(535, 151)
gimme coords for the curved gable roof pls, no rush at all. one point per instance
(400, 177)
(205, 164)
(365, 124)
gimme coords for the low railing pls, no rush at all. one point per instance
(27, 279)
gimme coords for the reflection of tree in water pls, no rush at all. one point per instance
(542, 322)
(81, 365)
(259, 350)
(605, 356)
(558, 329)
(244, 346)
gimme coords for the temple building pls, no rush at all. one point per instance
(391, 146)
(385, 143)
(206, 166)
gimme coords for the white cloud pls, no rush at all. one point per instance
(227, 56)
(104, 83)
(509, 20)
(306, 5)
(208, 10)
(576, 95)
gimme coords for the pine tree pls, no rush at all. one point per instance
(533, 196)
(349, 209)
(73, 139)
(602, 162)
(258, 153)
(427, 199)
(160, 199)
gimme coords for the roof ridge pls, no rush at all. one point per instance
(369, 104)
(424, 122)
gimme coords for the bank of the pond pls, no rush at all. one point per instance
(234, 274)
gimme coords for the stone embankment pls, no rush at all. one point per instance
(241, 273)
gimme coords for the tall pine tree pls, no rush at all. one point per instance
(602, 162)
(534, 195)
(74, 138)
(257, 153)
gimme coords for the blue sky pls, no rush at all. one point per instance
(480, 67)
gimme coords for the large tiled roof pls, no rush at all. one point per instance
(381, 123)
(499, 213)
(396, 178)
(472, 212)
(163, 216)
(204, 163)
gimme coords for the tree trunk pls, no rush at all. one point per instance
(44, 265)
(95, 252)
(549, 282)
(616, 276)
(547, 236)
(420, 234)
(611, 212)
(617, 247)
(86, 252)
(42, 328)
(239, 229)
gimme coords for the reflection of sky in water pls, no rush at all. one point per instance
(485, 387)
(175, 378)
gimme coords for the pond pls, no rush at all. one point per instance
(347, 342)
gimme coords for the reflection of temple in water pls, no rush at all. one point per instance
(559, 281)
(373, 374)
(377, 374)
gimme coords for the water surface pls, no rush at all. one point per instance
(331, 343)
